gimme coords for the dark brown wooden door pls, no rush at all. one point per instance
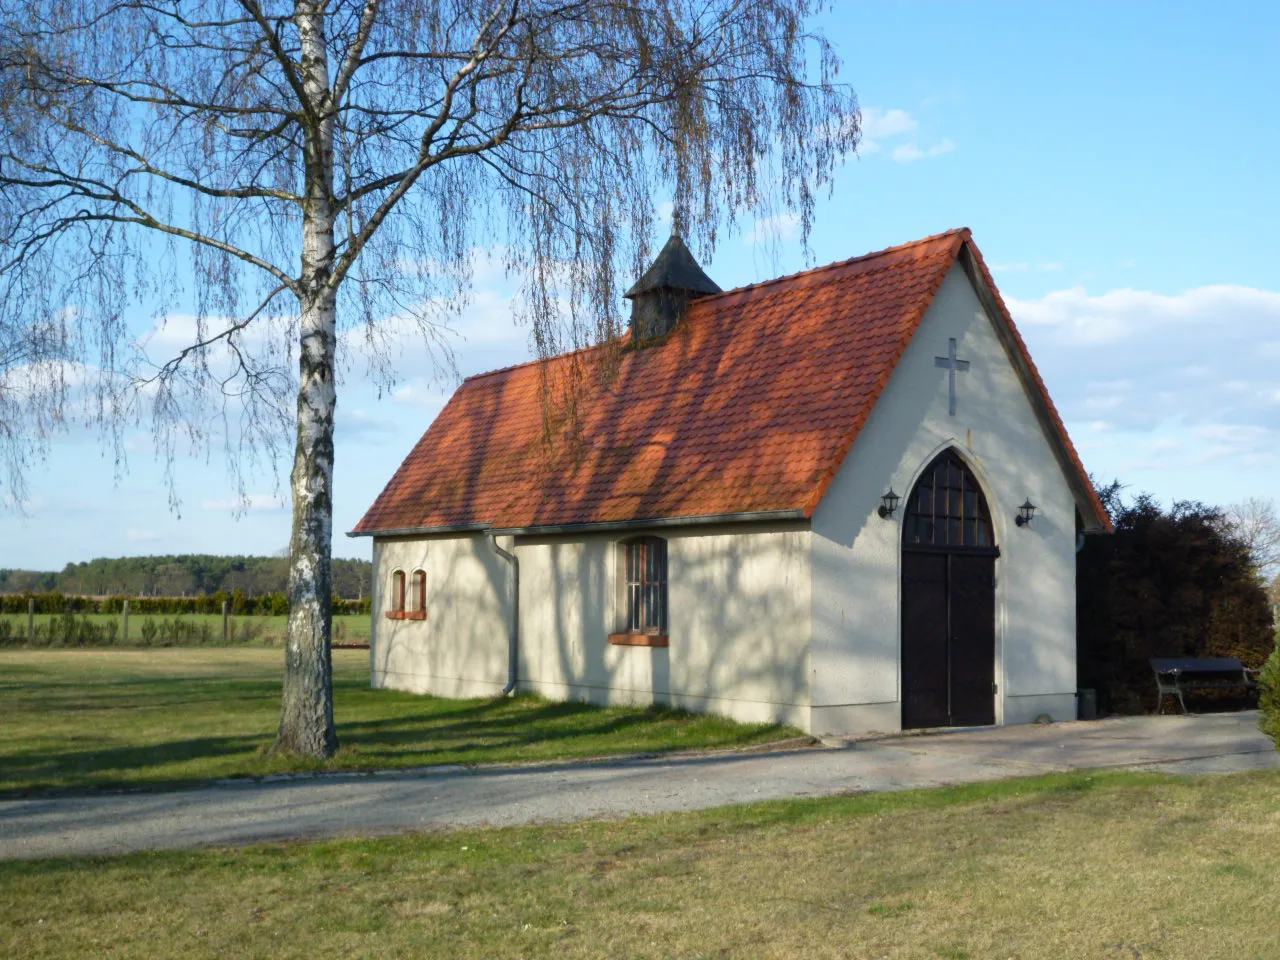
(973, 639)
(925, 684)
(948, 639)
(948, 601)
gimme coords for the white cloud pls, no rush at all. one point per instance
(421, 393)
(360, 423)
(878, 125)
(1179, 374)
(141, 536)
(881, 126)
(174, 333)
(1217, 314)
(255, 502)
(1049, 267)
(777, 229)
(910, 152)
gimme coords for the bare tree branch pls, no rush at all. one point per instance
(1256, 522)
(193, 160)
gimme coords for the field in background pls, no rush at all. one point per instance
(178, 629)
(77, 719)
(1106, 865)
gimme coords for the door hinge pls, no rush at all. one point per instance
(995, 688)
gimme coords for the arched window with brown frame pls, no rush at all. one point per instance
(947, 509)
(396, 610)
(418, 596)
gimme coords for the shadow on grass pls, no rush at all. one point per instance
(104, 767)
(502, 725)
(386, 731)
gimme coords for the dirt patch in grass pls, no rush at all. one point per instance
(1106, 866)
(85, 719)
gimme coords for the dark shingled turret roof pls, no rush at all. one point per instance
(675, 269)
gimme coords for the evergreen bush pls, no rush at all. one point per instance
(1167, 583)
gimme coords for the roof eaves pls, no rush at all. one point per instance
(598, 526)
(419, 531)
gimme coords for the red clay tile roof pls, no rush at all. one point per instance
(750, 406)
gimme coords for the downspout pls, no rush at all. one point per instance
(513, 636)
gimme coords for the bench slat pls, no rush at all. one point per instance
(1197, 665)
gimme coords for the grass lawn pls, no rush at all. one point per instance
(76, 719)
(352, 628)
(1114, 865)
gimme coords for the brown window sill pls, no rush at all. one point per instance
(638, 639)
(406, 614)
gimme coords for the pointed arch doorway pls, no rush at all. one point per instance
(948, 600)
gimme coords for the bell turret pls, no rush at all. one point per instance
(660, 297)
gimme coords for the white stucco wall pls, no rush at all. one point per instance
(738, 622)
(854, 661)
(460, 650)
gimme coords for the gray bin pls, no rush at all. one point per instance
(1087, 704)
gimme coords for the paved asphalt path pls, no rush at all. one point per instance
(326, 806)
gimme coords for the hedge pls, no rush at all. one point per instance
(266, 605)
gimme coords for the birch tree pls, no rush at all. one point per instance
(302, 171)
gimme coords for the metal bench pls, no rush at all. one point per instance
(1178, 675)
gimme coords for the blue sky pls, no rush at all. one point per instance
(1116, 163)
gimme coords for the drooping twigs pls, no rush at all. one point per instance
(292, 174)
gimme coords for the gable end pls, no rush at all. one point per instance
(1091, 510)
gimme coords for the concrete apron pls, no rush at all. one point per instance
(1170, 742)
(363, 804)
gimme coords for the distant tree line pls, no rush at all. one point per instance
(238, 603)
(1181, 582)
(187, 575)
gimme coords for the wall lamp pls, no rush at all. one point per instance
(888, 504)
(1026, 513)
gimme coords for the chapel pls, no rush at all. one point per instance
(841, 500)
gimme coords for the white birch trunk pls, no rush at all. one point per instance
(306, 718)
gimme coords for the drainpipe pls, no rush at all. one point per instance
(513, 638)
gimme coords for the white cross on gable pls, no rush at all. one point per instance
(953, 364)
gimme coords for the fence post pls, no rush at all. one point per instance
(225, 634)
(31, 619)
(126, 621)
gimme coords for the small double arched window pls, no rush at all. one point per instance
(408, 596)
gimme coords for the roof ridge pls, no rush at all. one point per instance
(956, 231)
(965, 232)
